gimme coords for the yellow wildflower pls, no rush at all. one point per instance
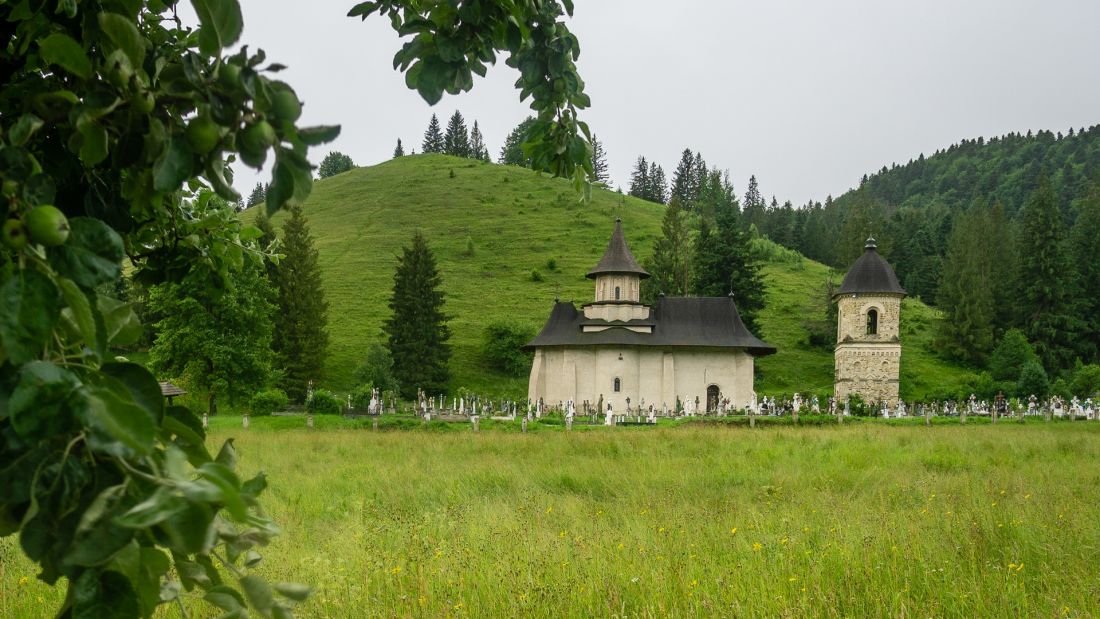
(757, 546)
(733, 531)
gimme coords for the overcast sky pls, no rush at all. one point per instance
(807, 95)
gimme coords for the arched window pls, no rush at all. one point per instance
(616, 293)
(872, 322)
(617, 385)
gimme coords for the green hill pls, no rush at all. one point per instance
(519, 221)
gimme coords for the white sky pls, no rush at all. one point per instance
(807, 95)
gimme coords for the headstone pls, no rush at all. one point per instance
(523, 424)
(927, 416)
(474, 422)
(205, 422)
(244, 421)
(309, 420)
(609, 416)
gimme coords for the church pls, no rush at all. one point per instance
(686, 349)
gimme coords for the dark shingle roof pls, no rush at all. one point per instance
(678, 321)
(617, 258)
(870, 273)
(168, 389)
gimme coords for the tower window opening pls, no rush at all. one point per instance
(616, 293)
(617, 385)
(872, 322)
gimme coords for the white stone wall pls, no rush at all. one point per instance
(629, 287)
(852, 317)
(653, 375)
(616, 311)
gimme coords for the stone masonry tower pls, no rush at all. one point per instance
(868, 350)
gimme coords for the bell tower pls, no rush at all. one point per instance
(618, 276)
(868, 343)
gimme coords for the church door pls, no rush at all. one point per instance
(712, 398)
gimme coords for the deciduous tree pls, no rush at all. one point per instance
(335, 163)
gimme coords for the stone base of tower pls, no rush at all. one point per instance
(871, 371)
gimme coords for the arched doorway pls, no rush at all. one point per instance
(712, 398)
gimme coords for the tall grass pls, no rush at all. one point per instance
(859, 520)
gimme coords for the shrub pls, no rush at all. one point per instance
(1033, 380)
(267, 401)
(502, 347)
(324, 402)
(360, 397)
(551, 264)
(1010, 357)
(377, 369)
(1086, 381)
(536, 276)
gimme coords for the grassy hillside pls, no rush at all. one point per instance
(519, 221)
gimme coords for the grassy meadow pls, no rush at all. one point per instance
(519, 222)
(861, 520)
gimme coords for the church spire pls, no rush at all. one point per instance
(617, 259)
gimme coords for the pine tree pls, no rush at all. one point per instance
(1043, 293)
(1085, 244)
(599, 162)
(399, 151)
(417, 330)
(698, 176)
(512, 151)
(670, 266)
(683, 181)
(639, 179)
(658, 187)
(477, 145)
(456, 141)
(258, 195)
(965, 293)
(724, 263)
(301, 336)
(433, 138)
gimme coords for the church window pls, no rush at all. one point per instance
(872, 322)
(616, 293)
(617, 385)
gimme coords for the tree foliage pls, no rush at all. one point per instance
(512, 152)
(399, 150)
(300, 336)
(433, 137)
(724, 263)
(600, 172)
(670, 265)
(376, 370)
(417, 333)
(502, 346)
(335, 163)
(456, 140)
(478, 150)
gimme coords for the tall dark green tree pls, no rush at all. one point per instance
(1044, 299)
(724, 263)
(1085, 244)
(639, 179)
(399, 150)
(657, 188)
(433, 137)
(512, 152)
(966, 291)
(334, 163)
(417, 333)
(477, 144)
(600, 171)
(684, 186)
(259, 193)
(456, 140)
(301, 335)
(753, 205)
(670, 265)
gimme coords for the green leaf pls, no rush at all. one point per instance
(227, 455)
(38, 405)
(293, 591)
(118, 417)
(174, 165)
(29, 308)
(124, 34)
(159, 507)
(123, 326)
(24, 128)
(190, 530)
(225, 598)
(79, 309)
(312, 136)
(229, 485)
(259, 594)
(221, 24)
(97, 540)
(92, 255)
(93, 146)
(141, 384)
(103, 595)
(61, 50)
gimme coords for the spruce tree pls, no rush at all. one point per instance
(724, 263)
(258, 195)
(639, 179)
(753, 205)
(599, 162)
(399, 151)
(683, 181)
(477, 144)
(512, 151)
(965, 293)
(301, 337)
(670, 266)
(1043, 292)
(698, 175)
(417, 331)
(433, 137)
(456, 141)
(658, 187)
(1085, 243)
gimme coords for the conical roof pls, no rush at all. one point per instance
(870, 273)
(617, 258)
